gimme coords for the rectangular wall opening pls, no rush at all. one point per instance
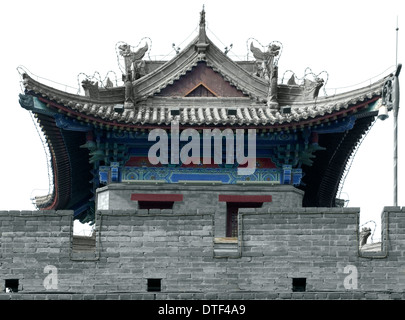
(232, 209)
(11, 285)
(156, 200)
(154, 285)
(155, 204)
(299, 284)
(236, 202)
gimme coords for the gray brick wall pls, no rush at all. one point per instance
(274, 245)
(201, 195)
(31, 240)
(256, 295)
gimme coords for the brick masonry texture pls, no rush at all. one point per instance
(256, 295)
(274, 246)
(118, 196)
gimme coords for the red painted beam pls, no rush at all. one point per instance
(156, 197)
(244, 198)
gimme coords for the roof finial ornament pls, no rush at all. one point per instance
(202, 43)
(202, 15)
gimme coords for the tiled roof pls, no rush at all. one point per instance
(150, 108)
(205, 111)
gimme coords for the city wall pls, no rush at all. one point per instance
(280, 253)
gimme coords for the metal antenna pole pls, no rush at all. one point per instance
(396, 46)
(395, 157)
(396, 107)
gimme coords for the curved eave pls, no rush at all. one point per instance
(322, 179)
(70, 167)
(201, 112)
(66, 98)
(60, 166)
(205, 117)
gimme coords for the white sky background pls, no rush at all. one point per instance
(352, 40)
